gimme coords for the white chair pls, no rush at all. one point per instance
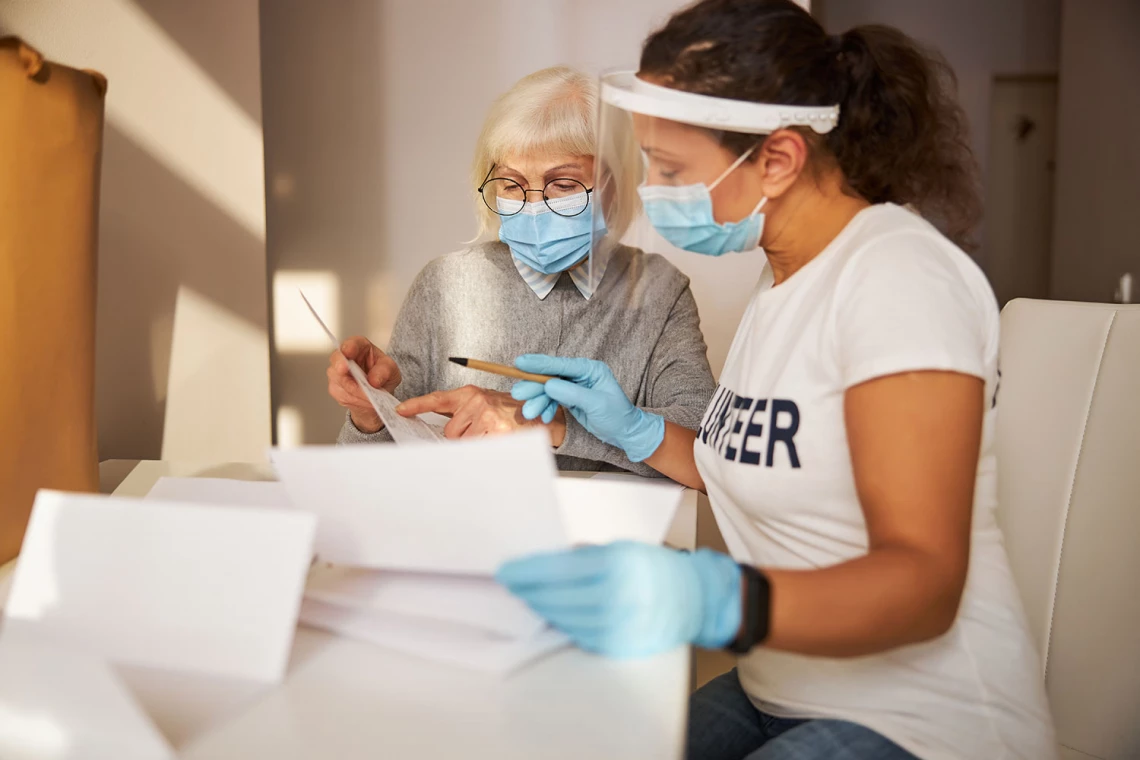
(1069, 488)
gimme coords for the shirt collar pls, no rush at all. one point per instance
(542, 284)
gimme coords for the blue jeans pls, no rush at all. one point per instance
(724, 725)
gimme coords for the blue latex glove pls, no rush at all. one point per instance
(629, 599)
(591, 393)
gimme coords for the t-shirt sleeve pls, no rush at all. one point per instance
(903, 304)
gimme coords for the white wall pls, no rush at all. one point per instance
(371, 117)
(181, 353)
(1096, 236)
(980, 38)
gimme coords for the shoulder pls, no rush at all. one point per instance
(650, 270)
(472, 261)
(896, 249)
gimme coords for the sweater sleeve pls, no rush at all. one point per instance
(678, 384)
(411, 347)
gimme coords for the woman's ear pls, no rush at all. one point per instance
(782, 158)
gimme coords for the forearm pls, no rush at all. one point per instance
(889, 598)
(674, 457)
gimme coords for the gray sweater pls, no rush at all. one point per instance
(642, 321)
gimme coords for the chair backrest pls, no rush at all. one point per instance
(51, 133)
(1069, 488)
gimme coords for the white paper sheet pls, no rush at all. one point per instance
(598, 511)
(221, 492)
(185, 587)
(58, 704)
(453, 644)
(403, 429)
(462, 508)
(478, 603)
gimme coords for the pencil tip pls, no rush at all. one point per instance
(457, 360)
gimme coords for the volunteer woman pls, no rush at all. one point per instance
(849, 451)
(531, 283)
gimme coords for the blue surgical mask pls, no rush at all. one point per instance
(684, 216)
(544, 240)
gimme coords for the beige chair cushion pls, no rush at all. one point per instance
(1069, 490)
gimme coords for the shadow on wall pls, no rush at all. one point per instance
(199, 29)
(157, 234)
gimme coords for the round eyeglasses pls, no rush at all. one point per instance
(506, 197)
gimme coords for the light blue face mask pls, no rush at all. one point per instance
(684, 216)
(544, 240)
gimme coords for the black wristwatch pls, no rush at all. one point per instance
(754, 614)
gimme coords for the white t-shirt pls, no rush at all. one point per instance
(888, 295)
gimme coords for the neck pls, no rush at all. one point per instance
(810, 217)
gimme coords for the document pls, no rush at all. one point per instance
(477, 603)
(456, 645)
(205, 589)
(403, 429)
(464, 508)
(59, 704)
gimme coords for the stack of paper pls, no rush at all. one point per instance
(409, 537)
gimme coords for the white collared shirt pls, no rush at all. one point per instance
(542, 284)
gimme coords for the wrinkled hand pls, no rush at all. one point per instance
(476, 411)
(592, 394)
(381, 370)
(630, 600)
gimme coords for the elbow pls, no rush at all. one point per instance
(944, 599)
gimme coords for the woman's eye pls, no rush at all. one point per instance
(566, 187)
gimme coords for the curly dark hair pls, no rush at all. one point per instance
(902, 136)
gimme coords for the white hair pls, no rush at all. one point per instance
(550, 111)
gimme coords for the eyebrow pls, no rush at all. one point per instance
(560, 167)
(660, 153)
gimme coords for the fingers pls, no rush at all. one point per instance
(344, 390)
(461, 421)
(524, 390)
(563, 567)
(575, 369)
(356, 348)
(537, 407)
(550, 413)
(382, 371)
(440, 402)
(567, 393)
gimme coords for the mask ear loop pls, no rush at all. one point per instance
(730, 169)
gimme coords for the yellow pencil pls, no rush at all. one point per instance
(499, 369)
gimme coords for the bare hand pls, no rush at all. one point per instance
(381, 370)
(477, 412)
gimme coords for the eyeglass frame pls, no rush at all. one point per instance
(488, 179)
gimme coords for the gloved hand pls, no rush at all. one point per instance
(591, 393)
(628, 599)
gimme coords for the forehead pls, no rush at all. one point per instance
(655, 133)
(540, 163)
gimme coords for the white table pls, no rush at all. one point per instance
(348, 699)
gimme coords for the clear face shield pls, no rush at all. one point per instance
(664, 155)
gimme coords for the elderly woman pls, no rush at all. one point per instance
(527, 287)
